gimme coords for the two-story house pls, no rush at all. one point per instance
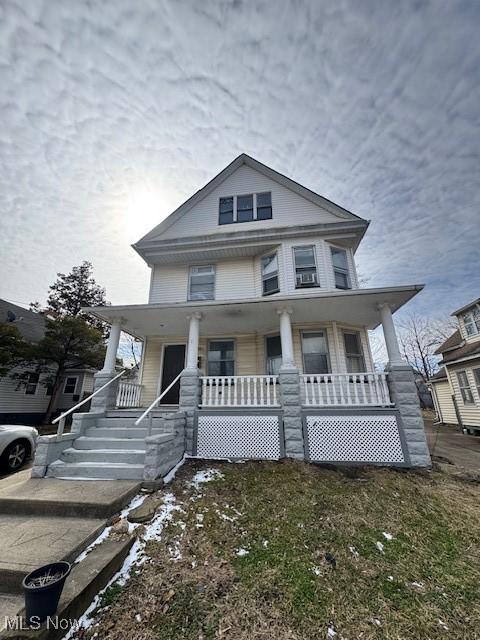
(456, 387)
(255, 341)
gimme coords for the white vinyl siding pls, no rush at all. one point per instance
(287, 207)
(169, 283)
(470, 412)
(444, 400)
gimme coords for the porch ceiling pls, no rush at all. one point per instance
(357, 307)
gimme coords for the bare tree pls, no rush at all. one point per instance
(420, 336)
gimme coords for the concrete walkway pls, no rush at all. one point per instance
(448, 442)
(44, 520)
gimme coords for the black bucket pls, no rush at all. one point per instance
(42, 602)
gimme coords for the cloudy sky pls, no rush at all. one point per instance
(113, 113)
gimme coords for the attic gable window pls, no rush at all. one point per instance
(471, 321)
(245, 208)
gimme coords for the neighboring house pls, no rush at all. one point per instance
(423, 390)
(27, 403)
(257, 330)
(456, 387)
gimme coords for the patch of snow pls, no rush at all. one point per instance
(390, 578)
(354, 552)
(377, 622)
(203, 476)
(379, 546)
(317, 571)
(265, 543)
(242, 552)
(388, 536)
(331, 633)
(418, 585)
(224, 516)
(138, 617)
(171, 474)
(442, 625)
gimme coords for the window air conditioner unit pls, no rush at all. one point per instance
(306, 279)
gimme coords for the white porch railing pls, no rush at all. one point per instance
(345, 389)
(239, 391)
(128, 395)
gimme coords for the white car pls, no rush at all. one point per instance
(17, 445)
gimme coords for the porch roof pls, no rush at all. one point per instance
(356, 306)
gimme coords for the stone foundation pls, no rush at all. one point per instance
(163, 451)
(106, 399)
(292, 412)
(190, 393)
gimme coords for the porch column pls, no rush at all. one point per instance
(403, 393)
(107, 398)
(288, 361)
(390, 335)
(289, 380)
(193, 337)
(112, 347)
(190, 381)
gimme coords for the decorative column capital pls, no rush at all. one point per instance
(283, 310)
(196, 315)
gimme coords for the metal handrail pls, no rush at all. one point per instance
(147, 411)
(61, 418)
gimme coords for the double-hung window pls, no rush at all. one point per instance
(225, 214)
(32, 384)
(274, 354)
(340, 268)
(202, 283)
(270, 274)
(221, 358)
(353, 352)
(471, 321)
(305, 267)
(264, 206)
(464, 385)
(70, 385)
(476, 375)
(315, 352)
(245, 208)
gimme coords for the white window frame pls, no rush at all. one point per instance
(233, 340)
(268, 255)
(197, 266)
(472, 321)
(32, 373)
(254, 208)
(465, 389)
(348, 271)
(315, 265)
(310, 332)
(68, 393)
(476, 379)
(361, 353)
(235, 208)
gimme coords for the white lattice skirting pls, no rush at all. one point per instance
(250, 436)
(363, 438)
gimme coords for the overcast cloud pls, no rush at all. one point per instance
(107, 106)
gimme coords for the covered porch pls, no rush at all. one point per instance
(239, 348)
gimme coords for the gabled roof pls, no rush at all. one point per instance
(464, 350)
(330, 206)
(440, 375)
(455, 340)
(467, 307)
(31, 325)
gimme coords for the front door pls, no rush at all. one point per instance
(173, 364)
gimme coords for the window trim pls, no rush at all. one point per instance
(472, 322)
(329, 361)
(195, 266)
(362, 350)
(37, 383)
(255, 217)
(70, 393)
(341, 270)
(234, 342)
(315, 262)
(233, 210)
(466, 388)
(476, 380)
(267, 255)
(261, 193)
(254, 208)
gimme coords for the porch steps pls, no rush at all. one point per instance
(118, 432)
(123, 444)
(96, 470)
(127, 456)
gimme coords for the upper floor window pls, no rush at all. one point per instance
(270, 274)
(264, 206)
(471, 321)
(202, 283)
(32, 384)
(315, 352)
(340, 268)
(353, 352)
(465, 391)
(70, 385)
(221, 358)
(245, 208)
(225, 214)
(476, 375)
(305, 267)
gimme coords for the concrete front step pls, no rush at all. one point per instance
(118, 432)
(136, 413)
(95, 470)
(85, 442)
(125, 456)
